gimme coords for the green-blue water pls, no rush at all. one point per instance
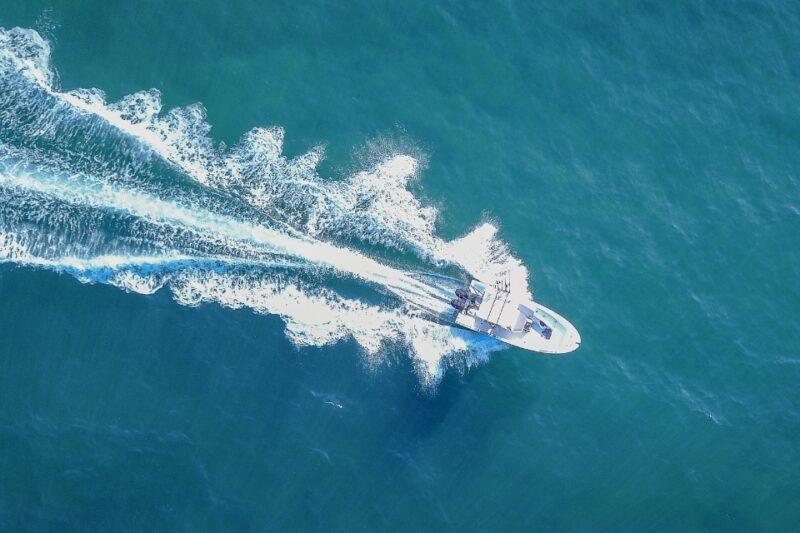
(159, 372)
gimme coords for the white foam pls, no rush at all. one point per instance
(374, 205)
(323, 317)
(316, 318)
(484, 256)
(25, 51)
(82, 190)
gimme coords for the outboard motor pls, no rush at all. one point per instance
(464, 294)
(458, 304)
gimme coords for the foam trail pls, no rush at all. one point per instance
(313, 317)
(192, 284)
(78, 190)
(84, 194)
(374, 205)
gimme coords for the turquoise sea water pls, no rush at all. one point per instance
(172, 356)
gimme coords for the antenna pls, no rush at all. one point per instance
(503, 281)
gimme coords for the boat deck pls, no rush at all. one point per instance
(498, 308)
(521, 323)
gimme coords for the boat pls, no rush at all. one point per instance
(512, 318)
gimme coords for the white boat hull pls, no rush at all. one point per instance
(519, 322)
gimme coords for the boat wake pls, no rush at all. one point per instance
(123, 194)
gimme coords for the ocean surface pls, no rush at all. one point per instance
(228, 232)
